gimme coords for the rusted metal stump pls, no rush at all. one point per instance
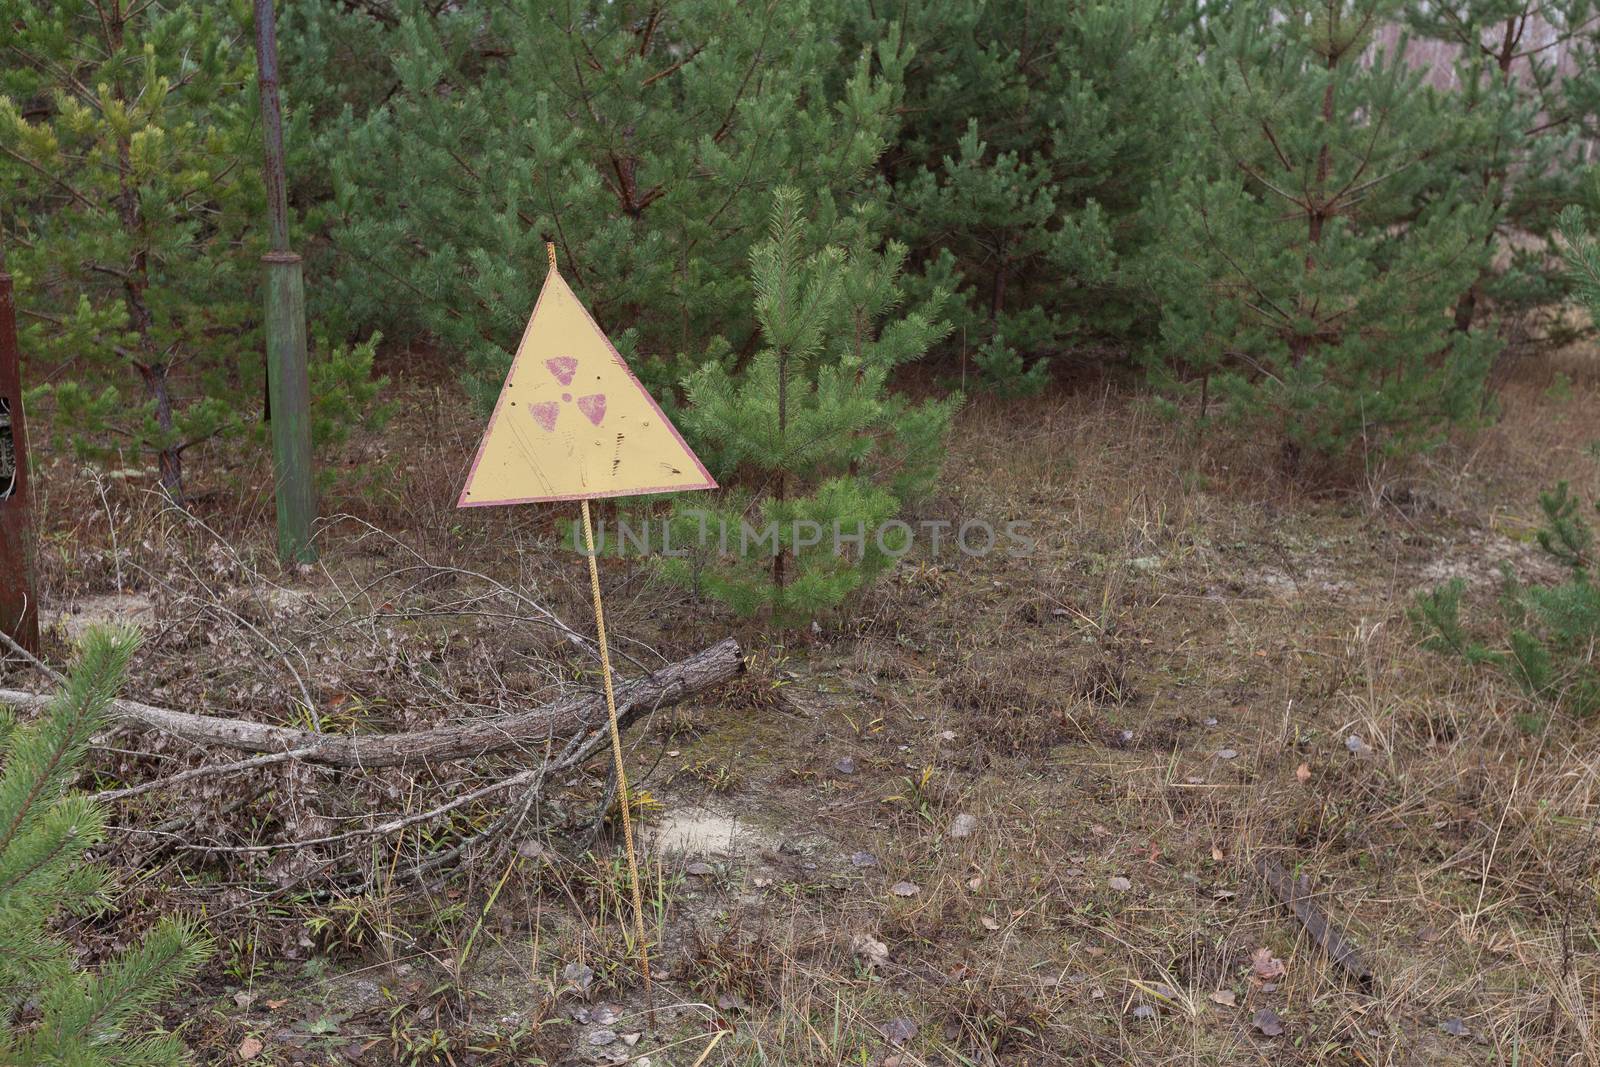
(19, 594)
(1295, 894)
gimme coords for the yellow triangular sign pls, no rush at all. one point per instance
(572, 422)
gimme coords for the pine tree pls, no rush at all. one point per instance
(128, 125)
(1032, 134)
(816, 453)
(643, 139)
(1508, 77)
(133, 226)
(1309, 280)
(51, 1012)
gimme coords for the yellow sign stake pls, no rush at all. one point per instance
(622, 774)
(573, 423)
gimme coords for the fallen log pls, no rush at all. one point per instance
(572, 715)
(1296, 896)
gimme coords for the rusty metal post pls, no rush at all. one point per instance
(288, 386)
(19, 589)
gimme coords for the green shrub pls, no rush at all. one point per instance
(51, 1011)
(805, 435)
(346, 396)
(1001, 371)
(1549, 633)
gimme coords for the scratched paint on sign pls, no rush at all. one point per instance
(573, 422)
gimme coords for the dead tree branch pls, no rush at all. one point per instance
(574, 714)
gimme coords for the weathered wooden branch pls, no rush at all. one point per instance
(1297, 898)
(571, 715)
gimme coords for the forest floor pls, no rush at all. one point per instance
(1000, 810)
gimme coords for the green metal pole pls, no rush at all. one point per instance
(288, 388)
(289, 392)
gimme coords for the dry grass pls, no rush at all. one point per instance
(1161, 692)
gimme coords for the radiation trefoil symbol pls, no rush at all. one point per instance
(592, 406)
